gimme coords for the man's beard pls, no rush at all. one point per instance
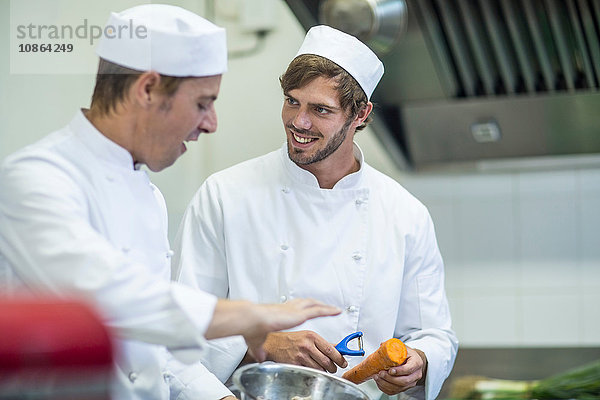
(298, 156)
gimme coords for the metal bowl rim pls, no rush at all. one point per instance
(267, 366)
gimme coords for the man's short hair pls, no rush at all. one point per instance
(307, 67)
(113, 81)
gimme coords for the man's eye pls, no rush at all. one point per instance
(322, 110)
(291, 101)
(201, 107)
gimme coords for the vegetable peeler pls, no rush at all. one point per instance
(342, 346)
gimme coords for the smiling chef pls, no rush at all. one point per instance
(79, 218)
(314, 219)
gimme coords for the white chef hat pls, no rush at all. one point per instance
(167, 39)
(346, 51)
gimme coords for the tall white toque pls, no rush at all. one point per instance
(346, 51)
(167, 39)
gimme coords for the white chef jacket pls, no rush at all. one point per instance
(77, 220)
(265, 231)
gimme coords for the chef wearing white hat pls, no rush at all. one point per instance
(316, 220)
(79, 218)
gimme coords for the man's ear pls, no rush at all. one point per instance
(363, 113)
(144, 89)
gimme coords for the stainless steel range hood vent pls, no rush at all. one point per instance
(507, 47)
(481, 80)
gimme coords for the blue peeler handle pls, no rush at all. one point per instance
(342, 346)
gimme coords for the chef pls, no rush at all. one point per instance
(80, 219)
(314, 219)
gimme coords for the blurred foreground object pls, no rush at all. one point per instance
(53, 350)
(577, 383)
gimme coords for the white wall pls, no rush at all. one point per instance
(522, 250)
(522, 255)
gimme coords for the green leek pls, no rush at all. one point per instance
(581, 383)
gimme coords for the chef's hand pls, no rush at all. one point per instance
(283, 316)
(255, 321)
(405, 376)
(305, 348)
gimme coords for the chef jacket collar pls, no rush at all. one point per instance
(100, 145)
(351, 181)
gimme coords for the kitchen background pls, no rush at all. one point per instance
(521, 245)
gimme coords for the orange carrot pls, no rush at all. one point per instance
(390, 353)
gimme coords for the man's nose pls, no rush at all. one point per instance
(209, 122)
(302, 120)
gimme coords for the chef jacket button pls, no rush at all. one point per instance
(125, 249)
(283, 299)
(132, 377)
(284, 247)
(110, 178)
(357, 256)
(170, 253)
(167, 376)
(285, 189)
(351, 309)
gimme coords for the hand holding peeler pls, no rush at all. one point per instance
(342, 346)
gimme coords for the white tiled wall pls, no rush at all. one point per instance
(522, 253)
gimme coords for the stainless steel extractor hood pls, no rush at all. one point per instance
(468, 81)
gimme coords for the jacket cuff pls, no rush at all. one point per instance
(193, 382)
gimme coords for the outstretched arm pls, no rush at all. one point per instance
(255, 321)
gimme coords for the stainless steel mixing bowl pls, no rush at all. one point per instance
(273, 381)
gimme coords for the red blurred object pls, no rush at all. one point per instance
(53, 349)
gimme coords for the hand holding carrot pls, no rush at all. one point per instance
(393, 366)
(403, 377)
(390, 353)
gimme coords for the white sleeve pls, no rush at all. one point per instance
(193, 382)
(424, 319)
(199, 257)
(47, 239)
(200, 261)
